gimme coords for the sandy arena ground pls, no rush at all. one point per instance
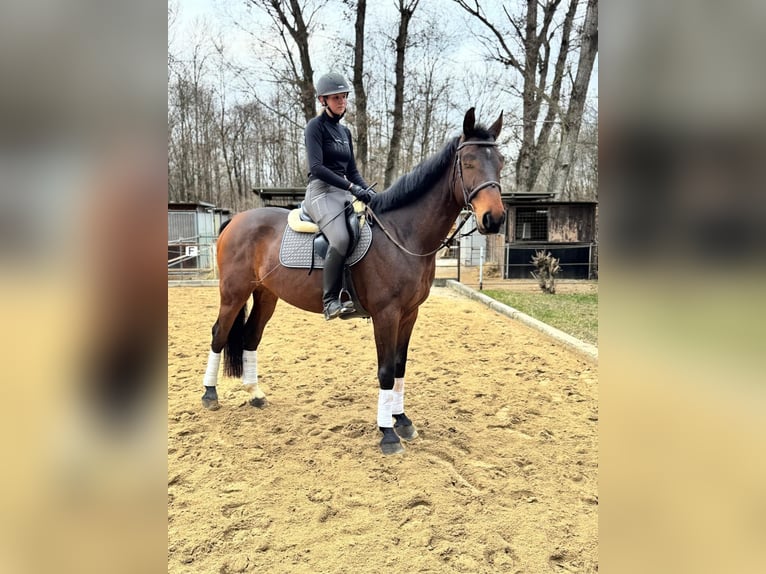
(503, 477)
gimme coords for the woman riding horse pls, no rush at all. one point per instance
(333, 178)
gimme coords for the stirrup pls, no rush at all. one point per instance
(335, 309)
(348, 304)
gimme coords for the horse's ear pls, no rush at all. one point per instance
(495, 128)
(469, 121)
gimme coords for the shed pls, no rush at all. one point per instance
(192, 231)
(566, 229)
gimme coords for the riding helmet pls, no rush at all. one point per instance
(330, 84)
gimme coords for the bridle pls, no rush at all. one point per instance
(468, 195)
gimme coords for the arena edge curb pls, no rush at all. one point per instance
(584, 349)
(193, 283)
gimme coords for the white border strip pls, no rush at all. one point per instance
(193, 283)
(587, 350)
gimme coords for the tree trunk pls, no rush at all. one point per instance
(283, 12)
(360, 95)
(570, 129)
(540, 151)
(405, 12)
(306, 80)
(533, 68)
(534, 72)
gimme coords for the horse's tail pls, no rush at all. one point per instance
(223, 226)
(235, 345)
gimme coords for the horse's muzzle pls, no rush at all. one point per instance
(491, 223)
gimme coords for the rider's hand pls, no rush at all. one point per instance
(362, 194)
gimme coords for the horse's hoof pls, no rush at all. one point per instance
(258, 403)
(406, 432)
(388, 448)
(210, 404)
(404, 427)
(390, 443)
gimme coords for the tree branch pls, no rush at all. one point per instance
(477, 13)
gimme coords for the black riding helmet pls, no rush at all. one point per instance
(330, 84)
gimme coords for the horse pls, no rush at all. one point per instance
(409, 223)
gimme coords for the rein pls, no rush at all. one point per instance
(467, 197)
(444, 243)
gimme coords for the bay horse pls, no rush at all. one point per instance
(410, 221)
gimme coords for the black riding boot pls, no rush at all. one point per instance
(331, 284)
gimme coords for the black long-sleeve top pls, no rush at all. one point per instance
(330, 152)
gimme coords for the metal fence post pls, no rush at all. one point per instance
(481, 268)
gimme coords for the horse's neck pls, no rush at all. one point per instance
(428, 221)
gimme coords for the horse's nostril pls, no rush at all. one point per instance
(491, 224)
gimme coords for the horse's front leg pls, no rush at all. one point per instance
(386, 330)
(403, 425)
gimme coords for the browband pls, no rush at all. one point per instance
(472, 142)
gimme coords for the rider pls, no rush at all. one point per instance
(333, 178)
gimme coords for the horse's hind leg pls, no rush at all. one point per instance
(264, 304)
(231, 317)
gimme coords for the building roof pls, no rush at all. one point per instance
(514, 196)
(189, 204)
(283, 192)
(193, 206)
(525, 197)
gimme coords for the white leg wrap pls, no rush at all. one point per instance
(211, 373)
(397, 407)
(249, 367)
(250, 374)
(385, 402)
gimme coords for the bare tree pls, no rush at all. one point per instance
(535, 31)
(406, 10)
(288, 16)
(428, 83)
(360, 94)
(570, 128)
(582, 180)
(191, 126)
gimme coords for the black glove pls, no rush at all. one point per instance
(362, 194)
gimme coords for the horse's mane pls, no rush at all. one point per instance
(424, 175)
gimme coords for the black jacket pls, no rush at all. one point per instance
(330, 152)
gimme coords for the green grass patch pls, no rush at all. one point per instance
(573, 313)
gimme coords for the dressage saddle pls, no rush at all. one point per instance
(300, 221)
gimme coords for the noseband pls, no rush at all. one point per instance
(468, 195)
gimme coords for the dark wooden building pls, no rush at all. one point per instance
(568, 230)
(289, 197)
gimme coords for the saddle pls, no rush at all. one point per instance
(304, 246)
(300, 221)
